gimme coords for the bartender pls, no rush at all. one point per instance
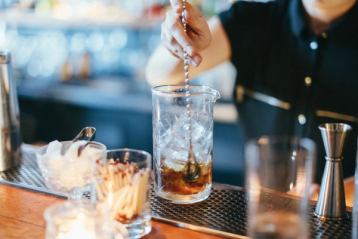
(297, 64)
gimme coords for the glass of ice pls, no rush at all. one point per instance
(69, 167)
(279, 172)
(171, 141)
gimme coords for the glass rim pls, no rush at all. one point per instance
(139, 151)
(42, 149)
(274, 139)
(271, 158)
(93, 142)
(145, 162)
(342, 127)
(206, 90)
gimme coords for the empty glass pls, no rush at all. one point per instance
(171, 141)
(123, 189)
(278, 177)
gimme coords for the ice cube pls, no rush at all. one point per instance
(91, 154)
(198, 131)
(54, 148)
(173, 144)
(174, 153)
(174, 137)
(165, 138)
(67, 171)
(72, 152)
(176, 165)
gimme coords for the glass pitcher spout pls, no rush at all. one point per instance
(214, 93)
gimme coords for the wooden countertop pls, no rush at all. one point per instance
(21, 215)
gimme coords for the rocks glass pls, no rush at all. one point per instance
(78, 219)
(69, 170)
(123, 185)
(279, 174)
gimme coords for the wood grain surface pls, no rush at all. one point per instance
(21, 217)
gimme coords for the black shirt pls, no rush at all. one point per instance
(289, 79)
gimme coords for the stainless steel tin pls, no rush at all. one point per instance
(10, 137)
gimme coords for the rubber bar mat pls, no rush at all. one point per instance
(223, 213)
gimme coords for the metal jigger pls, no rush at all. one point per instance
(331, 201)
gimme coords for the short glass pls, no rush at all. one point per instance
(279, 174)
(123, 189)
(71, 173)
(171, 141)
(79, 219)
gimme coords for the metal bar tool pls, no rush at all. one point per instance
(10, 137)
(331, 201)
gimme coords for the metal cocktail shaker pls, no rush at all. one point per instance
(10, 138)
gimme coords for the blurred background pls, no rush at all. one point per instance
(81, 62)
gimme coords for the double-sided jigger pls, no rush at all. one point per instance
(331, 202)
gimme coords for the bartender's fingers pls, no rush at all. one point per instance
(172, 46)
(197, 24)
(193, 16)
(173, 26)
(197, 28)
(176, 50)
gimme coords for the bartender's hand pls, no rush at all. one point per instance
(197, 38)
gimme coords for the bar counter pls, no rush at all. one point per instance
(21, 210)
(21, 216)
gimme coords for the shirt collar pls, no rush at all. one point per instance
(297, 17)
(347, 25)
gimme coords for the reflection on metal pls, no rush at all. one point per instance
(336, 116)
(241, 91)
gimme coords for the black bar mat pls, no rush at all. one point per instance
(223, 213)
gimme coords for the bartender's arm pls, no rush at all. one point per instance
(206, 43)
